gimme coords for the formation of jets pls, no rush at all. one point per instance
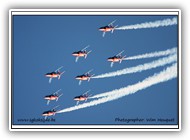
(84, 77)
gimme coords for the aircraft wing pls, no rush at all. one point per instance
(80, 82)
(55, 107)
(120, 53)
(50, 80)
(48, 102)
(77, 103)
(103, 34)
(89, 71)
(56, 91)
(85, 48)
(77, 58)
(112, 22)
(59, 68)
(86, 92)
(111, 65)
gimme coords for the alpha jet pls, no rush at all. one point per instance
(82, 97)
(54, 74)
(82, 53)
(84, 77)
(108, 28)
(51, 112)
(53, 97)
(116, 58)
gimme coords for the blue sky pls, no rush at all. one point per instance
(41, 44)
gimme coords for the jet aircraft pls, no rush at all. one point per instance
(54, 96)
(82, 53)
(108, 28)
(54, 74)
(116, 58)
(83, 77)
(82, 97)
(51, 112)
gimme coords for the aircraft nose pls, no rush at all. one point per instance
(77, 77)
(47, 74)
(109, 59)
(45, 97)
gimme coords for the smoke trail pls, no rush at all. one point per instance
(165, 75)
(139, 68)
(154, 54)
(155, 24)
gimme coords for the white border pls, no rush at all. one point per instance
(93, 12)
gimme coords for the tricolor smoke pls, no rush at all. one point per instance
(155, 24)
(165, 75)
(142, 67)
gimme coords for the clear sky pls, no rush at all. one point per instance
(41, 44)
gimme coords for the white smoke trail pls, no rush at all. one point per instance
(142, 67)
(153, 54)
(165, 75)
(155, 24)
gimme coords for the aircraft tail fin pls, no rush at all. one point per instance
(87, 54)
(59, 96)
(61, 74)
(122, 58)
(88, 97)
(114, 28)
(88, 79)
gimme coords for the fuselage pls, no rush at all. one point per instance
(106, 28)
(80, 98)
(82, 77)
(51, 97)
(52, 74)
(114, 59)
(49, 113)
(79, 53)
